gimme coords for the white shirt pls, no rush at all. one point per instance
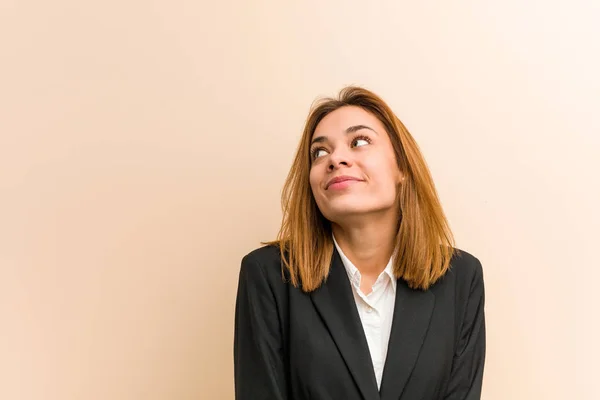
(375, 310)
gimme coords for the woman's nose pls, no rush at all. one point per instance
(339, 158)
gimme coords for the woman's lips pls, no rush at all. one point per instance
(342, 185)
(340, 179)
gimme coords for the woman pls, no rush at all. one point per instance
(362, 295)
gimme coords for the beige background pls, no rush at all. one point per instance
(143, 146)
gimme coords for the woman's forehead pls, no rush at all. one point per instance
(340, 120)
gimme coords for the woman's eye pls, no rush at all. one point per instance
(361, 140)
(358, 142)
(316, 153)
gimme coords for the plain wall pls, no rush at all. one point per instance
(144, 145)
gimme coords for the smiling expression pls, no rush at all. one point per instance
(351, 144)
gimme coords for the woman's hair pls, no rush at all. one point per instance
(424, 241)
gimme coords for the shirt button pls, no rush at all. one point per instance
(369, 309)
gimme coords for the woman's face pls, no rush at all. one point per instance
(352, 142)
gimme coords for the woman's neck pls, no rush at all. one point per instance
(368, 245)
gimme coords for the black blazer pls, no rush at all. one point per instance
(292, 345)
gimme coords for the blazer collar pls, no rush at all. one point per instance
(335, 303)
(412, 311)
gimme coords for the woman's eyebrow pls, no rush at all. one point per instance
(358, 128)
(351, 129)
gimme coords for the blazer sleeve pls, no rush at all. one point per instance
(258, 351)
(469, 358)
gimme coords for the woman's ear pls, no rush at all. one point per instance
(400, 177)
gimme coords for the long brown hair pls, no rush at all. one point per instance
(424, 241)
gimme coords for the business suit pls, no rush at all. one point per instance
(294, 345)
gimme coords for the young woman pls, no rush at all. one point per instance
(363, 294)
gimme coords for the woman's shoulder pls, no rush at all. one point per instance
(465, 270)
(464, 262)
(262, 262)
(268, 254)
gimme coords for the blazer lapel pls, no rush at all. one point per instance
(335, 303)
(412, 312)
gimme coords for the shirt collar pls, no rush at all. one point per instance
(354, 273)
(389, 270)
